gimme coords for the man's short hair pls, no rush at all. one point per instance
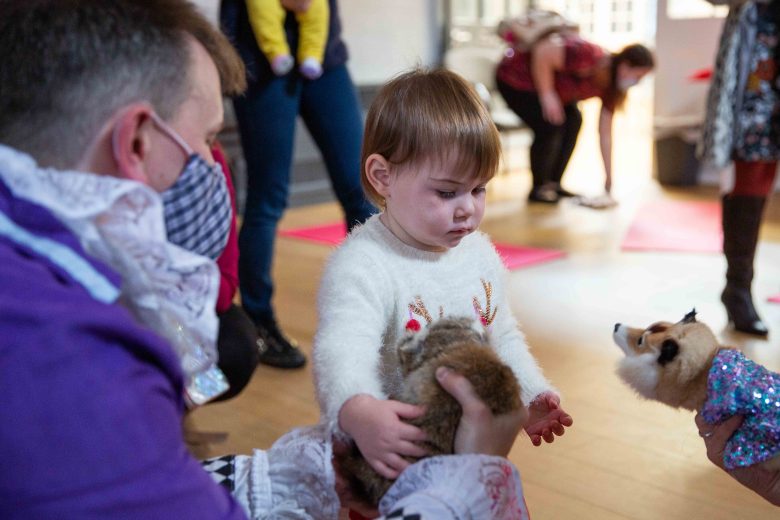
(67, 65)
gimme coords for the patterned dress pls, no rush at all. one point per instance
(758, 117)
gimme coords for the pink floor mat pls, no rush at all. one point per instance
(667, 225)
(514, 257)
(331, 234)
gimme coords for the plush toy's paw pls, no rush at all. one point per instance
(282, 64)
(311, 68)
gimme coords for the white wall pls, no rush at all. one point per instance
(210, 8)
(683, 46)
(387, 36)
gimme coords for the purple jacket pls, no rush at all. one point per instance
(90, 421)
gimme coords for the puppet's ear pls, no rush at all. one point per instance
(669, 351)
(690, 317)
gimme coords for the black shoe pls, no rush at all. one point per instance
(544, 194)
(741, 312)
(276, 349)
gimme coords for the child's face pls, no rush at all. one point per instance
(432, 206)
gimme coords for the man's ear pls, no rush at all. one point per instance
(131, 142)
(378, 173)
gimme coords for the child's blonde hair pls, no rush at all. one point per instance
(430, 115)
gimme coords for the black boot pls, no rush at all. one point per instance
(741, 222)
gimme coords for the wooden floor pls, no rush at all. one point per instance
(623, 458)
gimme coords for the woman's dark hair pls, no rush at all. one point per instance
(635, 55)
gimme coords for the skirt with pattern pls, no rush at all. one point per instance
(758, 119)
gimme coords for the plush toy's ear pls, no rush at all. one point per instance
(690, 317)
(669, 350)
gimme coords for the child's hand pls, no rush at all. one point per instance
(380, 434)
(546, 418)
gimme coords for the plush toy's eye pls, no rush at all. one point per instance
(669, 350)
(640, 340)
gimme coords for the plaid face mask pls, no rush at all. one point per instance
(197, 207)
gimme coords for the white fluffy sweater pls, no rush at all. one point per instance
(364, 302)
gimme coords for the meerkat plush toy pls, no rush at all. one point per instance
(683, 365)
(461, 344)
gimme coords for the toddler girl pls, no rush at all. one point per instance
(429, 149)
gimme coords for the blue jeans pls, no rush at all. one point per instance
(266, 117)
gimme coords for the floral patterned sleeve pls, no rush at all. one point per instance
(293, 480)
(457, 486)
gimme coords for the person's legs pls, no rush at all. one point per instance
(237, 348)
(548, 139)
(547, 143)
(266, 118)
(571, 129)
(742, 213)
(330, 109)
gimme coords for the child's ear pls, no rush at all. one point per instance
(378, 173)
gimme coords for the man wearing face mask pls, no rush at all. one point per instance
(543, 86)
(107, 328)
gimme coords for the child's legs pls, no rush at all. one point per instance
(754, 179)
(313, 27)
(267, 20)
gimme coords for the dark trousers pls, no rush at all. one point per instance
(266, 116)
(553, 144)
(237, 349)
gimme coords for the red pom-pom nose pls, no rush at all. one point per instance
(413, 325)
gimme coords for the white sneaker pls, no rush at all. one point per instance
(604, 201)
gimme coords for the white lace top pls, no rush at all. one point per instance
(120, 222)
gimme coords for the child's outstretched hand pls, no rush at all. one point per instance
(546, 418)
(382, 436)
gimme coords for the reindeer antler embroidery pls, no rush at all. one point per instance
(418, 308)
(485, 316)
